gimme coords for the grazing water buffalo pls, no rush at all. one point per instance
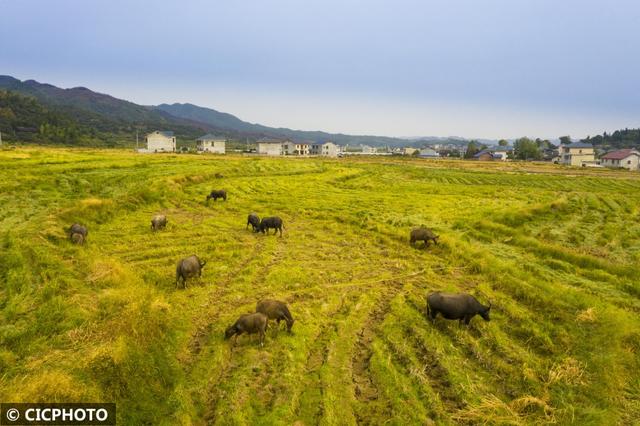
(77, 238)
(158, 222)
(423, 234)
(217, 193)
(276, 310)
(187, 268)
(271, 222)
(76, 228)
(454, 306)
(254, 221)
(250, 324)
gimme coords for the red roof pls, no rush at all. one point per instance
(620, 154)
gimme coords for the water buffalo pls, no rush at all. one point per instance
(423, 234)
(77, 238)
(271, 222)
(76, 228)
(187, 268)
(454, 306)
(217, 193)
(250, 324)
(158, 222)
(254, 221)
(276, 310)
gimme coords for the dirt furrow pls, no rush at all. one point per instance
(366, 390)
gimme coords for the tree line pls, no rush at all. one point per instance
(627, 138)
(523, 148)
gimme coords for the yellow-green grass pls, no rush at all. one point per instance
(556, 250)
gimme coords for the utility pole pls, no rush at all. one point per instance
(0, 138)
(136, 139)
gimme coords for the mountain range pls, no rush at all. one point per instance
(81, 116)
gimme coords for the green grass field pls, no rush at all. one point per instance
(556, 250)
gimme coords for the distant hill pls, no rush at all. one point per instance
(233, 123)
(27, 119)
(110, 119)
(100, 117)
(84, 117)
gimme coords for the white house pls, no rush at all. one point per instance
(160, 142)
(326, 149)
(295, 148)
(268, 146)
(409, 151)
(366, 149)
(625, 158)
(576, 154)
(501, 153)
(429, 153)
(211, 143)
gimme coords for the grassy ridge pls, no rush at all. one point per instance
(556, 251)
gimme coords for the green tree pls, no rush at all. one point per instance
(503, 142)
(526, 149)
(472, 149)
(565, 140)
(543, 143)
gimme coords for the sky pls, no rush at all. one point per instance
(470, 68)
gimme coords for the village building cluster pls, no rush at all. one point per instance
(577, 154)
(276, 147)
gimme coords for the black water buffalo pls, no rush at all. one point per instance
(76, 228)
(276, 310)
(158, 222)
(217, 193)
(271, 222)
(187, 268)
(250, 324)
(254, 221)
(423, 234)
(77, 238)
(454, 306)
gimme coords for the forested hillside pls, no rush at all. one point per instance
(627, 138)
(24, 118)
(84, 117)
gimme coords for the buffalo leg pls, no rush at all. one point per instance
(433, 314)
